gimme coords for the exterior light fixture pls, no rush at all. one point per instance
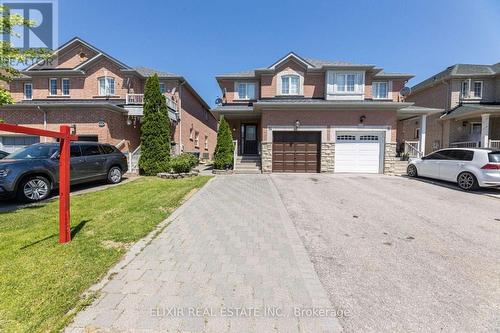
(129, 121)
(362, 119)
(297, 124)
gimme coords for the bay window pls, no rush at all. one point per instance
(106, 86)
(380, 90)
(346, 85)
(245, 90)
(290, 85)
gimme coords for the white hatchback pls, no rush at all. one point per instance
(470, 168)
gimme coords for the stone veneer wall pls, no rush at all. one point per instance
(389, 158)
(327, 157)
(266, 157)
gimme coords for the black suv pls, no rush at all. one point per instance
(30, 174)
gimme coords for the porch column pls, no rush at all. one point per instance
(423, 131)
(485, 130)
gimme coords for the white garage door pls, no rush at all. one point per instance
(11, 143)
(358, 152)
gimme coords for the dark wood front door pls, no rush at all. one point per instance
(249, 134)
(296, 151)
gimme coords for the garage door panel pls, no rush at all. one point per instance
(299, 151)
(358, 152)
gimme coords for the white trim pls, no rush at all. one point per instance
(290, 55)
(237, 93)
(105, 77)
(374, 83)
(289, 72)
(485, 130)
(332, 92)
(474, 89)
(24, 91)
(291, 128)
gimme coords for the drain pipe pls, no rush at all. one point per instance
(179, 110)
(44, 120)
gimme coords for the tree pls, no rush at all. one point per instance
(224, 150)
(155, 131)
(10, 56)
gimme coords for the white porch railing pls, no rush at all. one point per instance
(138, 99)
(133, 160)
(412, 148)
(495, 144)
(464, 144)
(235, 153)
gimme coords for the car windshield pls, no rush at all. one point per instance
(34, 152)
(494, 156)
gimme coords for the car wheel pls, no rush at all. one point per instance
(411, 171)
(114, 175)
(467, 181)
(33, 189)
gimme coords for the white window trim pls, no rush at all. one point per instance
(62, 86)
(197, 139)
(99, 85)
(389, 90)
(474, 89)
(288, 73)
(206, 142)
(50, 86)
(191, 132)
(331, 86)
(24, 91)
(236, 92)
(462, 89)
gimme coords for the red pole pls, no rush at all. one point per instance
(64, 182)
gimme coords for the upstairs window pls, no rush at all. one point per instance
(53, 87)
(163, 88)
(464, 90)
(206, 142)
(246, 90)
(478, 89)
(346, 84)
(65, 87)
(380, 90)
(196, 139)
(290, 85)
(106, 86)
(28, 90)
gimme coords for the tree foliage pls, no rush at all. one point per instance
(224, 150)
(155, 131)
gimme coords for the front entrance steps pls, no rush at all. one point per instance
(400, 167)
(247, 164)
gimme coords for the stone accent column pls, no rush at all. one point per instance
(389, 158)
(266, 156)
(327, 157)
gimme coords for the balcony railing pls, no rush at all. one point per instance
(465, 144)
(138, 99)
(495, 144)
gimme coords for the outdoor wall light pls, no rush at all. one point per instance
(234, 129)
(129, 121)
(297, 124)
(465, 123)
(362, 119)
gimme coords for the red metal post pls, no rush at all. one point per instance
(64, 186)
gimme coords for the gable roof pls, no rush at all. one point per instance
(147, 72)
(291, 55)
(459, 70)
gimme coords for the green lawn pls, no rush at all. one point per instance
(41, 280)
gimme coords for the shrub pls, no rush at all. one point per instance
(224, 150)
(183, 163)
(155, 131)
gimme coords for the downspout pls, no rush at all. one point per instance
(446, 108)
(44, 120)
(179, 110)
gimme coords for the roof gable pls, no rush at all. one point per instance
(291, 55)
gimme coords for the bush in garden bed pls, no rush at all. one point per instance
(183, 163)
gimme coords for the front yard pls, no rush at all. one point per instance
(41, 280)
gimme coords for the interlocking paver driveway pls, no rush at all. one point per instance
(232, 249)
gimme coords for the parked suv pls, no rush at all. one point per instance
(30, 174)
(3, 154)
(470, 168)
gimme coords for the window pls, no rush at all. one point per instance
(435, 156)
(346, 138)
(465, 89)
(368, 138)
(345, 82)
(290, 85)
(75, 151)
(380, 90)
(88, 138)
(417, 133)
(90, 150)
(163, 88)
(206, 142)
(65, 87)
(106, 86)
(457, 155)
(196, 139)
(53, 87)
(107, 149)
(476, 128)
(28, 90)
(191, 133)
(478, 89)
(347, 85)
(246, 90)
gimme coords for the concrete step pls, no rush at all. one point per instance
(249, 171)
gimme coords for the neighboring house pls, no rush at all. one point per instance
(306, 115)
(103, 98)
(470, 96)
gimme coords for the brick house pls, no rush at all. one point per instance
(306, 115)
(470, 98)
(103, 97)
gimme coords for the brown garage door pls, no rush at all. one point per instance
(296, 151)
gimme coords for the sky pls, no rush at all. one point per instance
(201, 39)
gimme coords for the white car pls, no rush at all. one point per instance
(470, 168)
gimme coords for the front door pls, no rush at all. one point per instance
(249, 139)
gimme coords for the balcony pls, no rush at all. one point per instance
(138, 99)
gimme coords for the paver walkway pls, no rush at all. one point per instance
(231, 261)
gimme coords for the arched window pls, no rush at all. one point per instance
(106, 86)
